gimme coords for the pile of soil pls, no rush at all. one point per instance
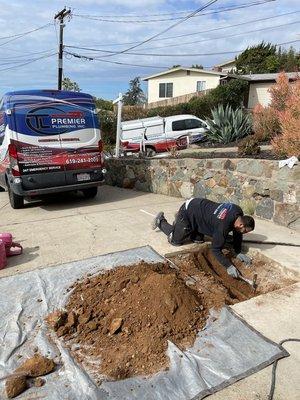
(120, 321)
(33, 367)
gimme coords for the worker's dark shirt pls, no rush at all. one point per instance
(215, 220)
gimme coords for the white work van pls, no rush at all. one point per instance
(157, 134)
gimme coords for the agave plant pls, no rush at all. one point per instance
(228, 125)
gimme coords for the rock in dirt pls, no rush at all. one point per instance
(15, 385)
(56, 319)
(35, 366)
(115, 325)
(39, 382)
(126, 317)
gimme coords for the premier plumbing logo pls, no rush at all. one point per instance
(53, 121)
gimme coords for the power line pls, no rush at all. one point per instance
(29, 62)
(113, 62)
(193, 42)
(225, 9)
(167, 29)
(160, 67)
(225, 37)
(26, 55)
(202, 32)
(26, 33)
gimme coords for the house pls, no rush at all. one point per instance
(180, 81)
(259, 85)
(226, 67)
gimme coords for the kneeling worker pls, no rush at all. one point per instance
(198, 217)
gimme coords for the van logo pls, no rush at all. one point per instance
(53, 121)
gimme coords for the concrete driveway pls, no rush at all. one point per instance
(72, 228)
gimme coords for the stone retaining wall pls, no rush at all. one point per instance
(258, 186)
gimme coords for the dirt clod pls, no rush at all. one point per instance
(15, 386)
(35, 366)
(56, 319)
(39, 382)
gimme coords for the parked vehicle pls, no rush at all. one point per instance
(159, 134)
(49, 142)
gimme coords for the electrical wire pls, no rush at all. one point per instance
(209, 3)
(114, 62)
(270, 28)
(21, 56)
(202, 32)
(26, 33)
(104, 19)
(26, 63)
(198, 41)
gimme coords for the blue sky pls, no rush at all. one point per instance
(106, 80)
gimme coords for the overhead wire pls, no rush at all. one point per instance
(216, 11)
(166, 29)
(193, 42)
(205, 31)
(28, 62)
(26, 33)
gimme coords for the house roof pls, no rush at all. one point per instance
(264, 77)
(225, 63)
(169, 71)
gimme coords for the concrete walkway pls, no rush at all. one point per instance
(73, 228)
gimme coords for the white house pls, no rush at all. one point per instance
(180, 81)
(226, 67)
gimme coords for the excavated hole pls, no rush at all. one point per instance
(209, 278)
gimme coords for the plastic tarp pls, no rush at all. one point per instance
(225, 351)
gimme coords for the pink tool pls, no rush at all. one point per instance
(11, 248)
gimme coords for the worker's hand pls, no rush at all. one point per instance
(232, 271)
(245, 259)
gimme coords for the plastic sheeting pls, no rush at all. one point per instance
(224, 352)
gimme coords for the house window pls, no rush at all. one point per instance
(166, 90)
(201, 85)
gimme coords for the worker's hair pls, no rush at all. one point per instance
(248, 222)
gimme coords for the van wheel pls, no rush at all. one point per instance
(90, 193)
(150, 152)
(15, 200)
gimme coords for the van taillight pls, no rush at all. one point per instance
(125, 144)
(12, 151)
(100, 146)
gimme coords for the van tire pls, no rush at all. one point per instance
(150, 152)
(15, 200)
(90, 193)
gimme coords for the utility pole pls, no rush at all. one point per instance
(61, 16)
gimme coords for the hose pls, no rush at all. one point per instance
(273, 381)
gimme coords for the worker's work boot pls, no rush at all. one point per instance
(157, 220)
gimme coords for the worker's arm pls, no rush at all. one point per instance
(218, 242)
(237, 245)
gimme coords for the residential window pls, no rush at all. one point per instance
(201, 85)
(166, 90)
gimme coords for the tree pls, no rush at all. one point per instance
(266, 58)
(134, 94)
(67, 84)
(255, 59)
(198, 66)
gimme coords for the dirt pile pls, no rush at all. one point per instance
(33, 367)
(120, 321)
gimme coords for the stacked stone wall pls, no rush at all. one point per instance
(258, 186)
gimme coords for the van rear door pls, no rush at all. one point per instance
(81, 142)
(36, 144)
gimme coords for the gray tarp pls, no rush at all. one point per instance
(224, 352)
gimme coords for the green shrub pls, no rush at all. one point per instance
(249, 146)
(228, 125)
(232, 93)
